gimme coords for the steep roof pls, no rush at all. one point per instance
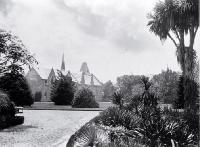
(43, 72)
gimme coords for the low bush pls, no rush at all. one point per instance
(7, 112)
(84, 98)
(17, 120)
(6, 106)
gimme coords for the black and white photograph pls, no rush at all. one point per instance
(99, 73)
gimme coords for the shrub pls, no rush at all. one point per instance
(17, 88)
(151, 126)
(84, 98)
(38, 96)
(63, 90)
(17, 120)
(7, 112)
(115, 117)
(6, 106)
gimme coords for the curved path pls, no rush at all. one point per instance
(44, 128)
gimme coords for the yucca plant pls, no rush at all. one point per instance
(117, 98)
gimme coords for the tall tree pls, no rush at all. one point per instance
(176, 19)
(63, 90)
(13, 54)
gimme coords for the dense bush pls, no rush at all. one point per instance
(84, 98)
(17, 87)
(38, 96)
(7, 112)
(6, 106)
(150, 126)
(63, 90)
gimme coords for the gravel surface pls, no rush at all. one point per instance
(45, 128)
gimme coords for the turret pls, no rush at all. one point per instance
(84, 68)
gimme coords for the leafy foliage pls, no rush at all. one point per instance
(108, 89)
(151, 126)
(165, 86)
(84, 98)
(16, 86)
(118, 98)
(7, 112)
(62, 92)
(129, 85)
(6, 106)
(13, 54)
(191, 92)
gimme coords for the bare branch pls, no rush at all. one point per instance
(168, 34)
(177, 35)
(195, 32)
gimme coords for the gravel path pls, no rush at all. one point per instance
(45, 128)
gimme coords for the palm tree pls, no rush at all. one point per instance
(176, 19)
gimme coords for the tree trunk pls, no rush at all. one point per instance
(189, 82)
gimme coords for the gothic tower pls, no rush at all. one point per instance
(84, 68)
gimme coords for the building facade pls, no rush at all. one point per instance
(41, 80)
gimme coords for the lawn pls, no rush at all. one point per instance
(43, 128)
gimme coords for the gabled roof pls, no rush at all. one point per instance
(43, 72)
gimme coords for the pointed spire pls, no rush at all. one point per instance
(84, 68)
(63, 63)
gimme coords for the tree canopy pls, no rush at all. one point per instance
(13, 54)
(129, 85)
(165, 85)
(17, 88)
(175, 19)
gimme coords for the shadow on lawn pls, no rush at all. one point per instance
(18, 128)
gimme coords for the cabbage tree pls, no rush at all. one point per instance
(178, 20)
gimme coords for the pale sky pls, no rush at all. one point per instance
(110, 35)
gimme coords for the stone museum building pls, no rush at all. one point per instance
(41, 80)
